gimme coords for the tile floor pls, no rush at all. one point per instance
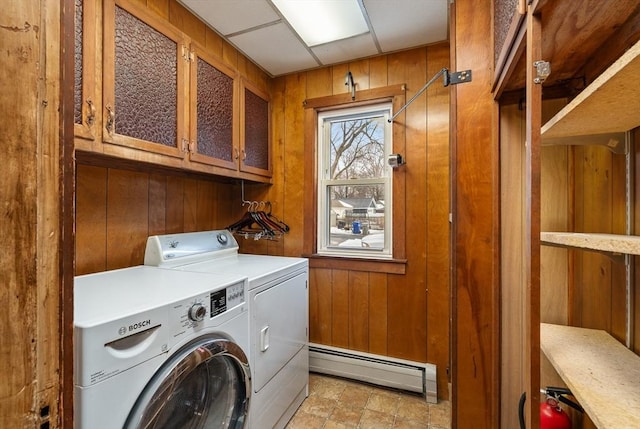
(335, 403)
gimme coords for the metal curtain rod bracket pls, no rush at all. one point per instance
(448, 79)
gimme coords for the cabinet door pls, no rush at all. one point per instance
(84, 96)
(255, 130)
(145, 61)
(214, 113)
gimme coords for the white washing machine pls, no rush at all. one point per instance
(157, 348)
(278, 313)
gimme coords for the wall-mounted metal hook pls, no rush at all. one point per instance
(348, 81)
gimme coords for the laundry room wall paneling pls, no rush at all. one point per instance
(397, 315)
(116, 210)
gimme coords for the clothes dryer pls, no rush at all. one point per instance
(278, 313)
(158, 348)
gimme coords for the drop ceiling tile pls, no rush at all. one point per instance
(346, 50)
(232, 16)
(275, 48)
(408, 23)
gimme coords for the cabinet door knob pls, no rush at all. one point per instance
(237, 153)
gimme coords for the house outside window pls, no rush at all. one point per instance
(354, 183)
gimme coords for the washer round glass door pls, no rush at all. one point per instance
(205, 385)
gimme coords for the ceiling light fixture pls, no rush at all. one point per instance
(323, 21)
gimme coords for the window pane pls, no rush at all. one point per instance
(356, 217)
(357, 148)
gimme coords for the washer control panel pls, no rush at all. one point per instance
(207, 309)
(227, 298)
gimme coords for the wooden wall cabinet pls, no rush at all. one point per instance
(165, 99)
(602, 373)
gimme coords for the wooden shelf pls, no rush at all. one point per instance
(602, 374)
(610, 104)
(627, 244)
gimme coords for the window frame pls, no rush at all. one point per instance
(323, 234)
(396, 94)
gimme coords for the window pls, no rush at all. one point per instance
(354, 183)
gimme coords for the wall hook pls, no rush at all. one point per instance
(348, 81)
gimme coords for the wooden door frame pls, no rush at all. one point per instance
(532, 185)
(67, 217)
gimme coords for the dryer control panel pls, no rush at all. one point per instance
(172, 250)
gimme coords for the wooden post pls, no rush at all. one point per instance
(475, 239)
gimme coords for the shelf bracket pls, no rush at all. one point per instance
(449, 78)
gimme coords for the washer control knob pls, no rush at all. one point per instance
(197, 312)
(222, 238)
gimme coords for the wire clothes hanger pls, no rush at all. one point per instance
(258, 224)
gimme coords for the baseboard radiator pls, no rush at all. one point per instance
(375, 369)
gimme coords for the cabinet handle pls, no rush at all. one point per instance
(110, 118)
(237, 153)
(244, 155)
(91, 116)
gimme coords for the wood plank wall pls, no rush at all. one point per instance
(30, 197)
(116, 210)
(404, 316)
(599, 299)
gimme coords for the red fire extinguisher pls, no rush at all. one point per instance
(552, 416)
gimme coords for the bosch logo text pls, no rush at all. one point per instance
(139, 325)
